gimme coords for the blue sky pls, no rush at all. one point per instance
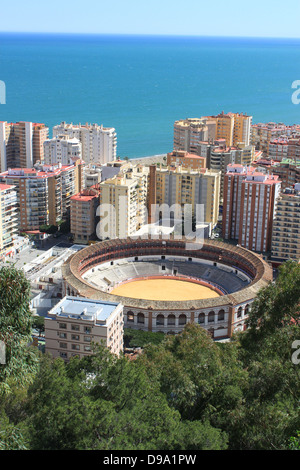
(258, 18)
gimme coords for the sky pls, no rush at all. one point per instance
(256, 18)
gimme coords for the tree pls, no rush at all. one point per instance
(195, 373)
(15, 329)
(38, 323)
(102, 402)
(20, 363)
(49, 229)
(275, 306)
(271, 412)
(140, 338)
(295, 442)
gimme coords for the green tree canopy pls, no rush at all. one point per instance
(15, 329)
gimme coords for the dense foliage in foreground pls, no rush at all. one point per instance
(185, 392)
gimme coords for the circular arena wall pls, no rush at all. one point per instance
(245, 274)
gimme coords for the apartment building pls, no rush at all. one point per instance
(178, 187)
(75, 323)
(62, 149)
(294, 148)
(220, 156)
(232, 200)
(286, 228)
(99, 144)
(188, 133)
(278, 149)
(8, 219)
(235, 128)
(259, 196)
(264, 133)
(123, 203)
(83, 215)
(186, 160)
(250, 199)
(21, 144)
(43, 192)
(288, 171)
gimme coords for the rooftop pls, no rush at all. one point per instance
(80, 308)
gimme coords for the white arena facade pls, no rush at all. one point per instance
(165, 284)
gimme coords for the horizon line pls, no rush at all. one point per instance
(164, 35)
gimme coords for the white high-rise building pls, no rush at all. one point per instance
(62, 149)
(99, 144)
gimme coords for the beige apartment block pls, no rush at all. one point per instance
(75, 323)
(286, 227)
(8, 218)
(188, 133)
(235, 128)
(123, 203)
(179, 187)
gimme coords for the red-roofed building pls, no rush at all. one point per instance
(186, 160)
(44, 192)
(83, 215)
(250, 199)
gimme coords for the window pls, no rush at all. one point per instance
(75, 337)
(76, 347)
(63, 345)
(221, 315)
(130, 316)
(63, 326)
(75, 327)
(211, 317)
(87, 329)
(140, 318)
(87, 338)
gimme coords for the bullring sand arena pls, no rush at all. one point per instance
(165, 284)
(164, 289)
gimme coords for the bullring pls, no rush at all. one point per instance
(234, 273)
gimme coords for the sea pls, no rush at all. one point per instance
(141, 85)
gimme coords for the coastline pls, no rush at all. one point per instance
(148, 160)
